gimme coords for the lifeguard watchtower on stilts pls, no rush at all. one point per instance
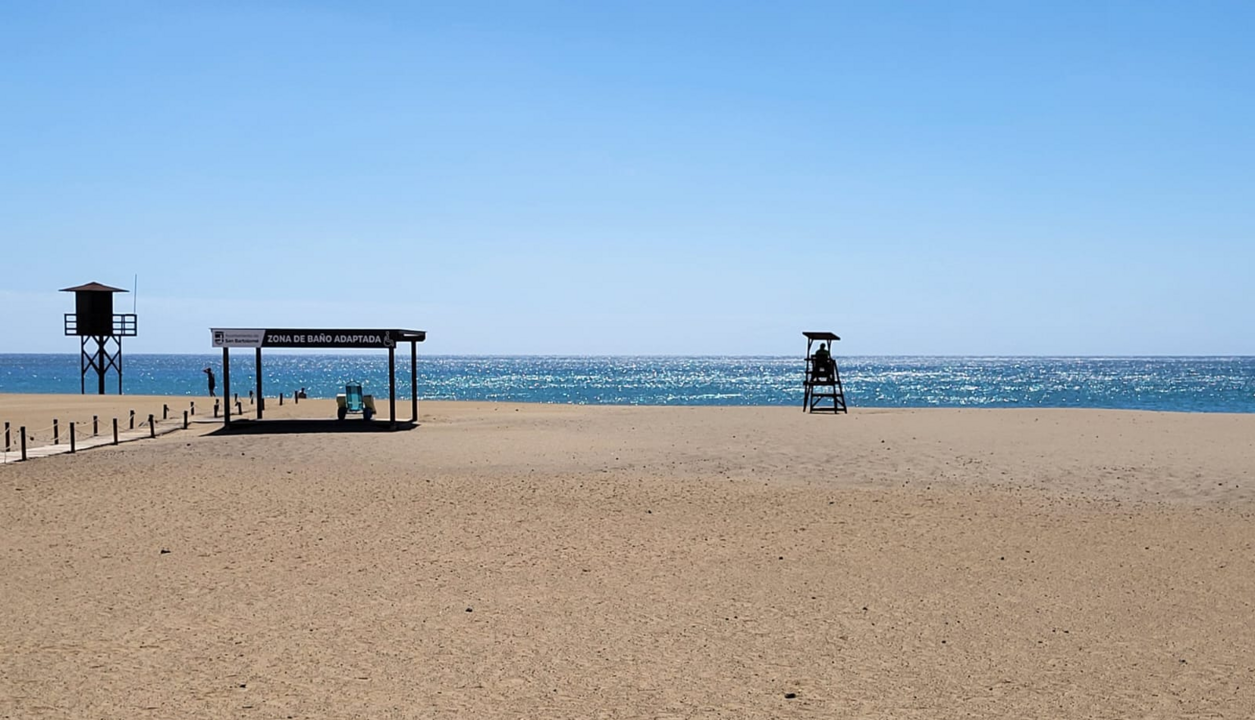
(95, 320)
(823, 380)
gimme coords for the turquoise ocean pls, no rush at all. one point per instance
(1193, 384)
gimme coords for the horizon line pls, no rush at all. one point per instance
(289, 353)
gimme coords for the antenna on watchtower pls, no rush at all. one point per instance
(94, 319)
(134, 293)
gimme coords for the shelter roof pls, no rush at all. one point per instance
(313, 337)
(820, 335)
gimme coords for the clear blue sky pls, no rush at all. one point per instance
(640, 177)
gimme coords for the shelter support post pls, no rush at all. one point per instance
(413, 381)
(226, 386)
(261, 399)
(392, 385)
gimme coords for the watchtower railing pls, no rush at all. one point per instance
(124, 324)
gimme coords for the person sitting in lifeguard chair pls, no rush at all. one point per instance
(822, 364)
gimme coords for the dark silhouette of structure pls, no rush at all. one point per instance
(258, 338)
(93, 319)
(823, 380)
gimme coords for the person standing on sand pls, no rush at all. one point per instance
(212, 382)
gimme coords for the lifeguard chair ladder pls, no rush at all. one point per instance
(824, 392)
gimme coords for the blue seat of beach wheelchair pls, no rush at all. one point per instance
(353, 397)
(353, 401)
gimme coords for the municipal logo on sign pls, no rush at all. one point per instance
(238, 337)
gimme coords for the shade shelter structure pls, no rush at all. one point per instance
(320, 338)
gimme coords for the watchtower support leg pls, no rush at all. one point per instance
(101, 355)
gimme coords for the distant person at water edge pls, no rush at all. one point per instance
(823, 360)
(212, 382)
(301, 393)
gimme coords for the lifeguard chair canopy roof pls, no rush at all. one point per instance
(820, 336)
(93, 287)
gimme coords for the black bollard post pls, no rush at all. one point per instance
(56, 432)
(71, 437)
(6, 438)
(22, 435)
(184, 419)
(95, 426)
(152, 427)
(132, 419)
(236, 399)
(250, 397)
(193, 409)
(115, 431)
(215, 408)
(296, 397)
(239, 410)
(165, 411)
(280, 399)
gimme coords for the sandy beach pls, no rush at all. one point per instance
(531, 561)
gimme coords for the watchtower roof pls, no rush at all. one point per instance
(812, 335)
(93, 287)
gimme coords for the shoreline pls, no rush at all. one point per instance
(277, 352)
(113, 400)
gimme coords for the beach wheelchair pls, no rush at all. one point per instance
(353, 401)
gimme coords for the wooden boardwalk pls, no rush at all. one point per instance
(160, 427)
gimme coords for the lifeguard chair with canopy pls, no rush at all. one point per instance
(824, 392)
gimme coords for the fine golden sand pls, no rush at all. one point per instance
(535, 561)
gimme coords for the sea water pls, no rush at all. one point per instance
(1201, 384)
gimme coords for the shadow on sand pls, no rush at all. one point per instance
(313, 426)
